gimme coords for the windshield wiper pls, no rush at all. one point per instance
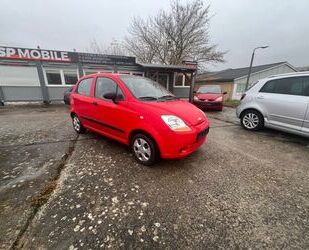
(167, 97)
(148, 98)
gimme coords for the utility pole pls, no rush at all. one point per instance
(251, 62)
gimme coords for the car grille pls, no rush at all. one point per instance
(201, 134)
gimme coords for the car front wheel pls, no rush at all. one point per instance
(144, 149)
(252, 120)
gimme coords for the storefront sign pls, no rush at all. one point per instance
(63, 56)
(105, 59)
(35, 54)
(190, 64)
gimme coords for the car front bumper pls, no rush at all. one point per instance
(208, 105)
(179, 145)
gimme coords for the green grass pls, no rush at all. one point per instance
(231, 103)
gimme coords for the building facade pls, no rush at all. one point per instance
(43, 75)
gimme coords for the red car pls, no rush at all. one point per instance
(138, 112)
(209, 97)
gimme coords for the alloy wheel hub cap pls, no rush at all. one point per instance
(251, 121)
(76, 123)
(142, 149)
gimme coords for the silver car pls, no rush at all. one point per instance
(280, 102)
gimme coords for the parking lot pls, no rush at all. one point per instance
(59, 190)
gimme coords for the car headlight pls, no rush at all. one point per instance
(175, 123)
(195, 98)
(219, 99)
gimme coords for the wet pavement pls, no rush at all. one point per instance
(239, 190)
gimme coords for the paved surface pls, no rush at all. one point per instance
(240, 190)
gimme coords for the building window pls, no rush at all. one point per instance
(182, 80)
(61, 76)
(240, 88)
(53, 77)
(179, 79)
(187, 79)
(70, 77)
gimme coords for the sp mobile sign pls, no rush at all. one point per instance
(36, 54)
(63, 56)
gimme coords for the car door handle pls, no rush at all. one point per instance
(95, 103)
(260, 97)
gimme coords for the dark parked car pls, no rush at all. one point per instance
(66, 96)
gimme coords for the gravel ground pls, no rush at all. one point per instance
(239, 190)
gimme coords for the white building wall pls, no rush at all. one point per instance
(240, 83)
(18, 76)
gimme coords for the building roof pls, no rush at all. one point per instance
(305, 68)
(231, 74)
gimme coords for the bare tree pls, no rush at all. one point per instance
(114, 48)
(170, 37)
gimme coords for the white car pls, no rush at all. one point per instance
(280, 102)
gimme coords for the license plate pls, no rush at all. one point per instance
(201, 134)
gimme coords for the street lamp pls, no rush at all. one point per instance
(250, 68)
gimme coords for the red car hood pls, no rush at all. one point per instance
(208, 96)
(183, 109)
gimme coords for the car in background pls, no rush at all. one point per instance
(66, 96)
(279, 102)
(140, 113)
(209, 97)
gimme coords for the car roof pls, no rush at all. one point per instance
(294, 74)
(108, 74)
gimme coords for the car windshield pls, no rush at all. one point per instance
(209, 89)
(146, 89)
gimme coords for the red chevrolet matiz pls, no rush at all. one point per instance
(138, 112)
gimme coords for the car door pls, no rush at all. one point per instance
(305, 127)
(111, 115)
(83, 101)
(283, 102)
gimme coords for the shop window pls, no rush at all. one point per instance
(183, 80)
(70, 77)
(187, 79)
(179, 79)
(241, 88)
(53, 77)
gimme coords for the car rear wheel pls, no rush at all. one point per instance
(77, 125)
(252, 120)
(144, 149)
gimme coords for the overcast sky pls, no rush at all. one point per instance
(236, 26)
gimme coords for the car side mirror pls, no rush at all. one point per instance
(111, 96)
(224, 93)
(194, 91)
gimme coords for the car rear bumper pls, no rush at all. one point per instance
(182, 145)
(208, 105)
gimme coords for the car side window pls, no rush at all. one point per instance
(286, 86)
(105, 85)
(84, 87)
(306, 86)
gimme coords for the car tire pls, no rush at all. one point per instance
(144, 149)
(252, 120)
(77, 125)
